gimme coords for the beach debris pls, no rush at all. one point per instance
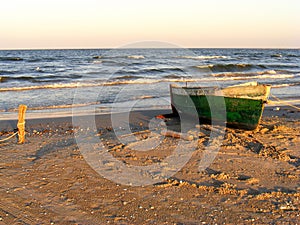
(9, 137)
(288, 206)
(222, 189)
(136, 133)
(160, 117)
(177, 135)
(253, 181)
(264, 130)
(220, 176)
(273, 152)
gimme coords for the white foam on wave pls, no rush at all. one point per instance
(205, 66)
(64, 106)
(215, 77)
(272, 74)
(265, 76)
(268, 72)
(48, 86)
(135, 57)
(97, 61)
(277, 76)
(80, 84)
(282, 85)
(137, 81)
(230, 78)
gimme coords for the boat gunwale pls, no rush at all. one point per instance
(263, 98)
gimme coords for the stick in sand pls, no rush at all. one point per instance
(21, 124)
(174, 134)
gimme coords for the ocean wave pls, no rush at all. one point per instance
(7, 72)
(150, 70)
(280, 85)
(64, 106)
(231, 67)
(161, 70)
(282, 66)
(10, 58)
(266, 76)
(97, 61)
(135, 57)
(20, 78)
(127, 77)
(39, 78)
(118, 57)
(174, 76)
(267, 72)
(276, 56)
(205, 66)
(293, 55)
(50, 107)
(42, 59)
(34, 60)
(137, 81)
(78, 85)
(133, 80)
(2, 79)
(57, 78)
(230, 78)
(111, 62)
(203, 57)
(285, 85)
(246, 74)
(27, 88)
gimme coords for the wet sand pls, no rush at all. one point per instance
(254, 178)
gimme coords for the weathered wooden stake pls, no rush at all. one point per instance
(21, 124)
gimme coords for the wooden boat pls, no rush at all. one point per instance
(240, 106)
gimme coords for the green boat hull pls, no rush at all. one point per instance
(240, 113)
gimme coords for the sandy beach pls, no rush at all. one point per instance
(254, 178)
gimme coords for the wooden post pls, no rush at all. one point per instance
(21, 124)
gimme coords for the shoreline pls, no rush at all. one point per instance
(69, 111)
(32, 118)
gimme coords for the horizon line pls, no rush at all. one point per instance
(95, 48)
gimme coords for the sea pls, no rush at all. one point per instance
(79, 81)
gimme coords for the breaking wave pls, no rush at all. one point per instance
(203, 57)
(276, 56)
(150, 70)
(231, 67)
(10, 59)
(285, 85)
(247, 74)
(132, 80)
(135, 57)
(118, 57)
(127, 77)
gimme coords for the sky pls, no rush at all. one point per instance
(43, 24)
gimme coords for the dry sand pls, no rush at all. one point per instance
(254, 178)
